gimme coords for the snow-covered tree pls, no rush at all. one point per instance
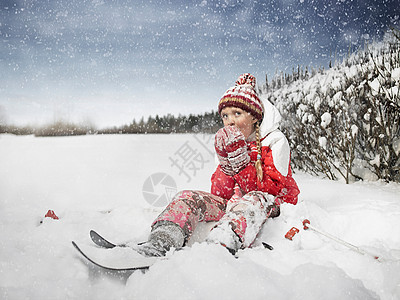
(345, 121)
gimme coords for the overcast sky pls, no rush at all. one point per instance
(110, 61)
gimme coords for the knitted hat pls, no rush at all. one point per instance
(243, 95)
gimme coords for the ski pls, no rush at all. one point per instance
(135, 264)
(104, 255)
(102, 242)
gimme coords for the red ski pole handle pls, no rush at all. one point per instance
(305, 222)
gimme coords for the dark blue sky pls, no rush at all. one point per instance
(111, 61)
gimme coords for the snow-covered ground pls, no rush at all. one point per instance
(105, 183)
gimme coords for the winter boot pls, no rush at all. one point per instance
(162, 238)
(225, 236)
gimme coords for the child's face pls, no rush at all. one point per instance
(239, 118)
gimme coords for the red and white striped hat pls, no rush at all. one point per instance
(243, 95)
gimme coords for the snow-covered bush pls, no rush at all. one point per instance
(344, 122)
(379, 122)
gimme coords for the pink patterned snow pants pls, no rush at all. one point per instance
(244, 215)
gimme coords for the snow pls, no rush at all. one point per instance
(396, 146)
(354, 130)
(375, 86)
(396, 74)
(323, 141)
(326, 119)
(376, 161)
(96, 182)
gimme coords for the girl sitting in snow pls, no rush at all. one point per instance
(252, 179)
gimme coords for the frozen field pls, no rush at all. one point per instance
(107, 183)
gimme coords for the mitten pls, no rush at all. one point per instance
(231, 148)
(222, 154)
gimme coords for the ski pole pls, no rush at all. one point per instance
(306, 224)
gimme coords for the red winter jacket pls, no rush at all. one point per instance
(274, 183)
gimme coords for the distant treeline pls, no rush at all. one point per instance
(205, 123)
